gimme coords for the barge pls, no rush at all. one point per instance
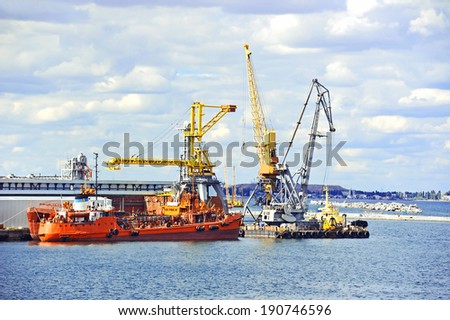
(327, 222)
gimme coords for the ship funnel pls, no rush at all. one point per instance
(81, 202)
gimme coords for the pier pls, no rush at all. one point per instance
(15, 234)
(252, 231)
(273, 232)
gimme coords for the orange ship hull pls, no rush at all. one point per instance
(34, 217)
(107, 229)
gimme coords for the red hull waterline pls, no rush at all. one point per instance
(106, 229)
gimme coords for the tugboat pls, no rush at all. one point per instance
(332, 224)
(195, 209)
(329, 216)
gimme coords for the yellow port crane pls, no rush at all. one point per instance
(283, 203)
(265, 139)
(196, 157)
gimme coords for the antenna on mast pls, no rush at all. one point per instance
(96, 174)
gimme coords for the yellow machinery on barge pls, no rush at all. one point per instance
(327, 222)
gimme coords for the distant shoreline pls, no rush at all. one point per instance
(396, 217)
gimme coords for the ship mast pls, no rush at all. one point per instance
(96, 175)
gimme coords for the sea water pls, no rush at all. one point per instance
(400, 260)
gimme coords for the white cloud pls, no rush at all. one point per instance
(8, 139)
(359, 8)
(447, 144)
(57, 113)
(402, 2)
(75, 68)
(428, 22)
(8, 166)
(353, 167)
(352, 152)
(221, 131)
(387, 124)
(339, 72)
(440, 127)
(427, 97)
(427, 127)
(283, 31)
(140, 79)
(132, 102)
(18, 149)
(287, 50)
(377, 94)
(26, 47)
(345, 24)
(399, 159)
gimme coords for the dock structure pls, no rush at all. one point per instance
(274, 232)
(15, 234)
(16, 194)
(19, 192)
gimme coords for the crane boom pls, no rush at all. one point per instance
(196, 161)
(224, 109)
(322, 102)
(265, 139)
(259, 120)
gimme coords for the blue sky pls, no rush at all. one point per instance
(77, 74)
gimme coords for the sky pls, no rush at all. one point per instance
(77, 75)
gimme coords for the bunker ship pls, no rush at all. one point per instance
(186, 215)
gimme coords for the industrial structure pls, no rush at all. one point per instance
(197, 176)
(283, 202)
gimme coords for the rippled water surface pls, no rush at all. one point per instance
(400, 260)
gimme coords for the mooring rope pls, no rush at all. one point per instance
(14, 216)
